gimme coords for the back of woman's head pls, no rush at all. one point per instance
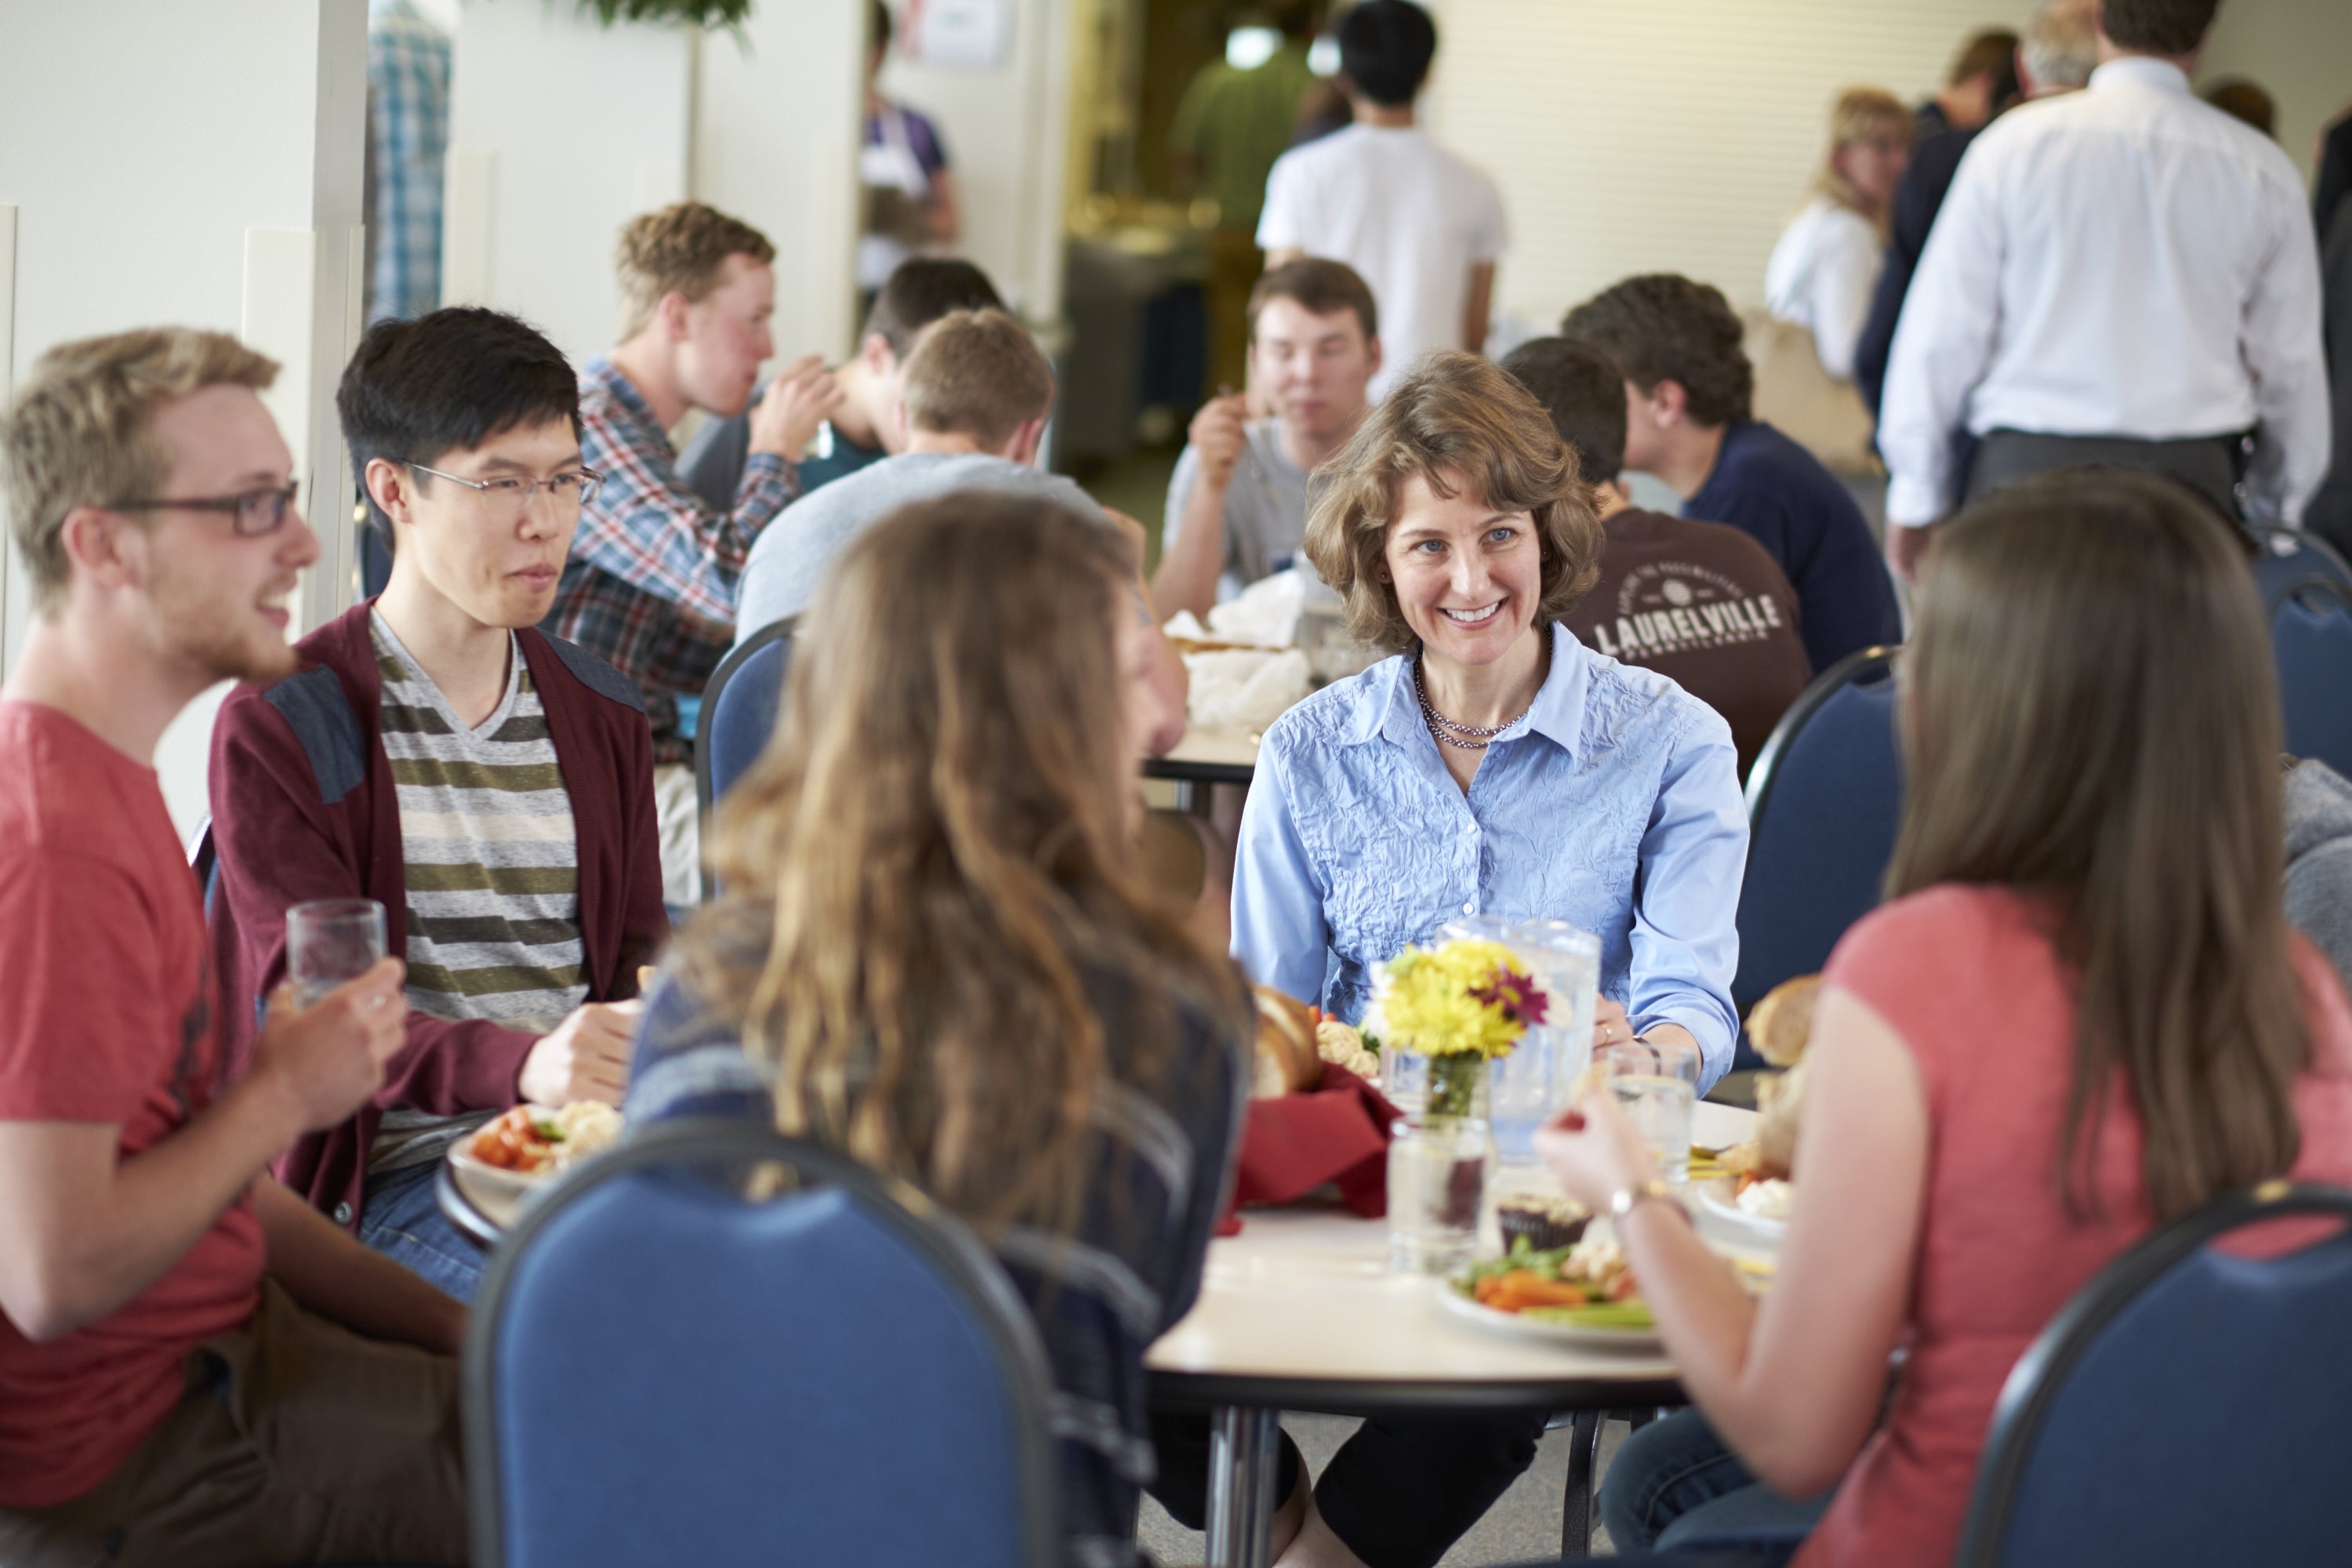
(2089, 713)
(933, 847)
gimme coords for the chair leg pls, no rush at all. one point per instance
(1576, 1511)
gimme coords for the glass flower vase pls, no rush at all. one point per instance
(1457, 1085)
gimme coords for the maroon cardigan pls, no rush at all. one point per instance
(303, 807)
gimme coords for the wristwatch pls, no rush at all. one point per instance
(1623, 1201)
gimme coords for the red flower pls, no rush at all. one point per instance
(1516, 995)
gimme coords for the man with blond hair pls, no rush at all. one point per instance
(197, 1367)
(653, 572)
(974, 397)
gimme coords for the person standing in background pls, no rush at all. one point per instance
(408, 140)
(2055, 54)
(1826, 264)
(2123, 275)
(1418, 224)
(911, 201)
(1983, 77)
(1234, 122)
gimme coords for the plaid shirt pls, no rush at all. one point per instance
(408, 140)
(651, 584)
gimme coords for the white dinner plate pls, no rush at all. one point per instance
(1557, 1332)
(1715, 1197)
(499, 1193)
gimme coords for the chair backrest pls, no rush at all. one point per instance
(663, 1370)
(739, 706)
(2186, 1407)
(1824, 799)
(2284, 555)
(2311, 639)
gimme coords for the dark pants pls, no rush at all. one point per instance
(1675, 1485)
(1399, 1493)
(2209, 463)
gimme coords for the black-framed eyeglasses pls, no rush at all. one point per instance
(572, 489)
(254, 511)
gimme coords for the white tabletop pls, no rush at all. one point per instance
(1305, 1295)
(1228, 748)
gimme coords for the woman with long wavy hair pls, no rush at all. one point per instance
(935, 950)
(2080, 1013)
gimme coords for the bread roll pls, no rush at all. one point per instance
(1778, 1025)
(1287, 1060)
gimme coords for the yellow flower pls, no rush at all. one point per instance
(1430, 1004)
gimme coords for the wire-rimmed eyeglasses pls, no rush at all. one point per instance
(572, 489)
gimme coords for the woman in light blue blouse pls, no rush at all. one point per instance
(1495, 765)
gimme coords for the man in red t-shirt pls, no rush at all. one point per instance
(195, 1366)
(1701, 603)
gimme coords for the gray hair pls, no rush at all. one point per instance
(2060, 44)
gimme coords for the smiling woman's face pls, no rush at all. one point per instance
(1468, 577)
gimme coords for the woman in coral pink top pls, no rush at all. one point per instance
(2081, 1013)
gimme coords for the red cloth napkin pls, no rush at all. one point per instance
(1291, 1145)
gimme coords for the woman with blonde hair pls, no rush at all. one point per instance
(934, 949)
(1491, 764)
(2080, 1013)
(1826, 263)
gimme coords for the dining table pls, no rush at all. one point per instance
(1205, 756)
(1300, 1310)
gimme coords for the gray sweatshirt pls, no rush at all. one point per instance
(2319, 860)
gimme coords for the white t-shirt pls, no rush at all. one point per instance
(1412, 218)
(1821, 277)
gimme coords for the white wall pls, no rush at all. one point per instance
(2299, 50)
(775, 143)
(1007, 134)
(560, 132)
(1671, 135)
(197, 165)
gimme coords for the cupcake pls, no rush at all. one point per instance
(1546, 1223)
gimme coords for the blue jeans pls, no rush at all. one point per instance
(400, 1218)
(1674, 1486)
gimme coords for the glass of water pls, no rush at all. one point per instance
(1519, 1085)
(1656, 1086)
(330, 942)
(1437, 1184)
(1566, 963)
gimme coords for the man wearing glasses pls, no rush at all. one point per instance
(490, 785)
(195, 1368)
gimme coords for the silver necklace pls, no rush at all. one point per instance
(1464, 737)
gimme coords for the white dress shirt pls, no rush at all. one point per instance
(2121, 261)
(1821, 277)
(1410, 217)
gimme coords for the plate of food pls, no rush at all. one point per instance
(1747, 1187)
(506, 1159)
(1582, 1295)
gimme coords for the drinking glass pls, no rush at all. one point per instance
(1656, 1085)
(329, 942)
(1566, 962)
(1437, 1182)
(1519, 1085)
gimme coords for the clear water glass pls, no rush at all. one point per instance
(1437, 1187)
(1566, 962)
(330, 942)
(1519, 1085)
(1656, 1088)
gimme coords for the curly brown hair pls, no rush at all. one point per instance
(678, 250)
(1456, 420)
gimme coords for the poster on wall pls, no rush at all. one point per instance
(959, 35)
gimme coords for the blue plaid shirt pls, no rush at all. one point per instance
(651, 584)
(408, 140)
